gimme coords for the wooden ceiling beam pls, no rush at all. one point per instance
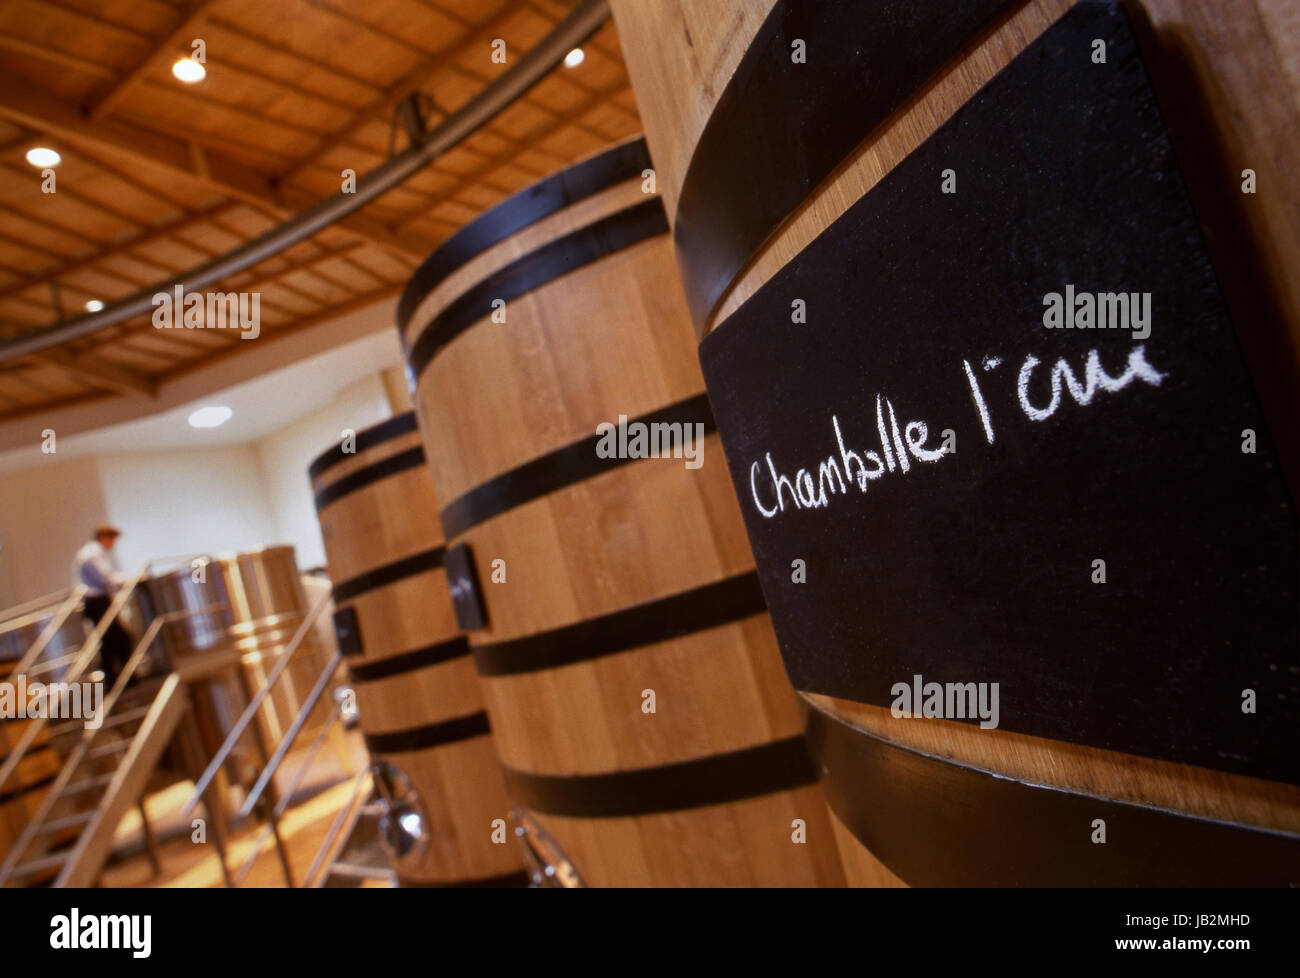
(511, 153)
(128, 34)
(383, 103)
(191, 16)
(120, 247)
(100, 373)
(15, 173)
(305, 62)
(61, 58)
(27, 104)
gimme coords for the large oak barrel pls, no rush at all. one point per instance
(785, 171)
(635, 691)
(417, 695)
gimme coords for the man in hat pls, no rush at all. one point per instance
(95, 568)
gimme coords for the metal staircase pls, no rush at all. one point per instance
(109, 761)
(109, 756)
(107, 767)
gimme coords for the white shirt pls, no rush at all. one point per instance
(94, 567)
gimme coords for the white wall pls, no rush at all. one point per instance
(285, 455)
(186, 502)
(46, 513)
(176, 501)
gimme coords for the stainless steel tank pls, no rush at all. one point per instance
(19, 633)
(262, 604)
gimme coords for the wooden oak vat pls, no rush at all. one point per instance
(417, 696)
(937, 801)
(635, 691)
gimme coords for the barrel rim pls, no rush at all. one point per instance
(544, 264)
(397, 425)
(411, 458)
(808, 117)
(540, 200)
(881, 800)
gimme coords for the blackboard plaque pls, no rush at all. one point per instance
(980, 564)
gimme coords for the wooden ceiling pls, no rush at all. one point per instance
(158, 176)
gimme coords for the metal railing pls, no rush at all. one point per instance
(345, 820)
(83, 659)
(255, 702)
(79, 752)
(274, 812)
(51, 629)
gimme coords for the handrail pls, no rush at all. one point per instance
(78, 753)
(88, 652)
(290, 735)
(528, 71)
(283, 804)
(48, 632)
(245, 718)
(17, 615)
(360, 783)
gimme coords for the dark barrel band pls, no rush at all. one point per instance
(619, 230)
(519, 878)
(719, 603)
(555, 470)
(781, 127)
(395, 426)
(530, 205)
(935, 822)
(388, 573)
(409, 459)
(429, 735)
(430, 655)
(714, 780)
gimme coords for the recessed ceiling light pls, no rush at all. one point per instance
(574, 58)
(188, 70)
(94, 305)
(43, 156)
(213, 416)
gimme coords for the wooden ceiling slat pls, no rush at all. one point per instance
(22, 103)
(386, 100)
(34, 233)
(61, 58)
(162, 178)
(252, 121)
(181, 32)
(358, 23)
(65, 192)
(66, 13)
(305, 64)
(516, 153)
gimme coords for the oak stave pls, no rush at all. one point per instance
(413, 675)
